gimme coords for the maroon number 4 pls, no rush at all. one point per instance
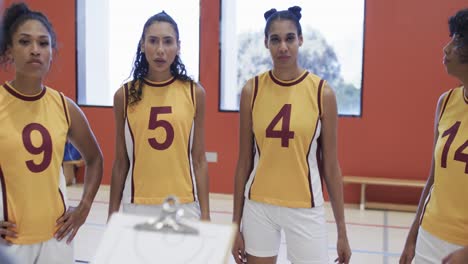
(285, 134)
(45, 147)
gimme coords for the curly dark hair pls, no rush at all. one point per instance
(141, 66)
(458, 26)
(293, 14)
(15, 16)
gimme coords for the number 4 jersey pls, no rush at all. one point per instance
(32, 139)
(286, 125)
(158, 136)
(446, 212)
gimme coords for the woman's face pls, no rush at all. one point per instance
(453, 52)
(160, 46)
(283, 42)
(31, 49)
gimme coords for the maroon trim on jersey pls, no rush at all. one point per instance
(23, 97)
(464, 96)
(445, 104)
(63, 202)
(192, 93)
(254, 150)
(190, 164)
(255, 91)
(125, 99)
(319, 158)
(165, 83)
(4, 196)
(254, 145)
(132, 195)
(132, 192)
(319, 96)
(309, 176)
(65, 108)
(428, 199)
(282, 83)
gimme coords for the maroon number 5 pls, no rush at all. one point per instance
(285, 134)
(45, 147)
(459, 154)
(155, 123)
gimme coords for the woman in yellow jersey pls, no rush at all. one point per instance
(288, 127)
(441, 222)
(35, 223)
(160, 145)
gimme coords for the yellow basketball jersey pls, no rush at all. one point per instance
(446, 212)
(286, 126)
(158, 135)
(32, 139)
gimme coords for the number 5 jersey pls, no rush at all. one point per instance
(158, 137)
(32, 139)
(446, 208)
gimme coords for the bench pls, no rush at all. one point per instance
(364, 181)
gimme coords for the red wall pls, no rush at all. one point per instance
(403, 77)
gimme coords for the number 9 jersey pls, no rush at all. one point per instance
(158, 138)
(286, 126)
(446, 211)
(32, 139)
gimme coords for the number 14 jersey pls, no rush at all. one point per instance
(286, 125)
(446, 213)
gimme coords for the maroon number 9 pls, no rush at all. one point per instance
(45, 148)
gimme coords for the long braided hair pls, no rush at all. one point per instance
(141, 65)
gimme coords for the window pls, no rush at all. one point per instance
(108, 32)
(332, 49)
